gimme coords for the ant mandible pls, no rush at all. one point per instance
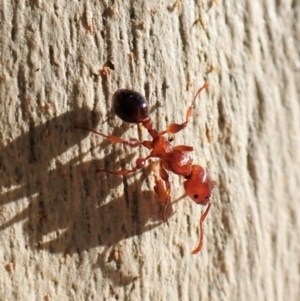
(132, 107)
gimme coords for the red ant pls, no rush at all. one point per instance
(132, 107)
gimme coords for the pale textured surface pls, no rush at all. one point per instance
(61, 223)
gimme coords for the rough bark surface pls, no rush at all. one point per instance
(69, 233)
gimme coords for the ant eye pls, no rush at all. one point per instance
(130, 106)
(196, 196)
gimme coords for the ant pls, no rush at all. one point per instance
(132, 107)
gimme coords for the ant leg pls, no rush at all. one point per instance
(162, 188)
(140, 163)
(184, 148)
(199, 247)
(114, 139)
(174, 128)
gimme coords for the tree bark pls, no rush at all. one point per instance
(70, 233)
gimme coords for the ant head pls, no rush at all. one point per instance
(199, 185)
(130, 106)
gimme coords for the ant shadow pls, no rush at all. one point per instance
(69, 207)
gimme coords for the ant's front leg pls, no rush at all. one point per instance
(174, 128)
(162, 187)
(140, 163)
(132, 142)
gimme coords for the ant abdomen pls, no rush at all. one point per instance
(130, 106)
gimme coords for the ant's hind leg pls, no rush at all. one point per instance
(114, 139)
(162, 187)
(174, 128)
(140, 163)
